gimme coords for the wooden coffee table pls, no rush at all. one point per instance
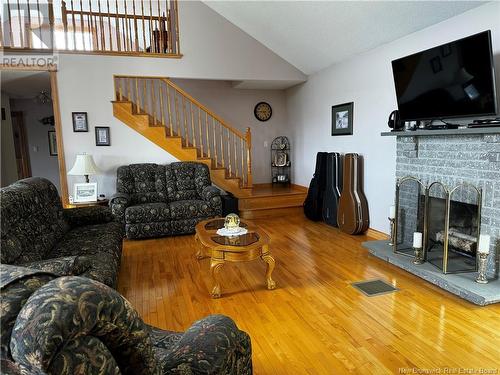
(220, 249)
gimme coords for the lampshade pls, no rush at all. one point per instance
(84, 165)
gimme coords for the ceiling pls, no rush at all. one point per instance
(24, 84)
(312, 35)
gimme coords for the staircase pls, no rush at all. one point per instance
(168, 116)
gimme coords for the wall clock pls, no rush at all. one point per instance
(263, 111)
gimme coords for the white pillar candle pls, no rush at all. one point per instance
(417, 239)
(392, 212)
(484, 244)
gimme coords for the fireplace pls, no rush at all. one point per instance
(462, 235)
(452, 157)
(448, 218)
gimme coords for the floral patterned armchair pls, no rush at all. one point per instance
(158, 200)
(75, 325)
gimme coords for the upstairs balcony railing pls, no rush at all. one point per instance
(131, 27)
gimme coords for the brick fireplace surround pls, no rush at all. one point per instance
(453, 158)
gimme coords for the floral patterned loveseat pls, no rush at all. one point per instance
(155, 200)
(36, 232)
(74, 326)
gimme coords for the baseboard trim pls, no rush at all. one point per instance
(376, 234)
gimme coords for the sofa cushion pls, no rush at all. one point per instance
(189, 209)
(148, 230)
(32, 220)
(147, 213)
(186, 180)
(145, 182)
(101, 244)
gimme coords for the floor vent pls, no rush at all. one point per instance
(374, 287)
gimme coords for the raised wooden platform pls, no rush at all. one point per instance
(266, 200)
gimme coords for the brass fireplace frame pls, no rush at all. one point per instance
(399, 182)
(448, 198)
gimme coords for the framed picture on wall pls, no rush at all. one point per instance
(85, 192)
(80, 122)
(342, 119)
(52, 143)
(102, 136)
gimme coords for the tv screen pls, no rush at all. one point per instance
(456, 79)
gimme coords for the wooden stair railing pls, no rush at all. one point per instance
(169, 106)
(132, 27)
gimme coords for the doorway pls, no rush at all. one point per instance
(31, 131)
(21, 146)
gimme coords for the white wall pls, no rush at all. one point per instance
(367, 81)
(236, 107)
(9, 166)
(213, 48)
(42, 163)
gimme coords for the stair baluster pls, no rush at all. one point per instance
(192, 124)
(186, 134)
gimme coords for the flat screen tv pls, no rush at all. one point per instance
(456, 79)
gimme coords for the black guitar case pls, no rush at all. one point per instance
(313, 205)
(333, 188)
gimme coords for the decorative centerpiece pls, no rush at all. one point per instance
(232, 227)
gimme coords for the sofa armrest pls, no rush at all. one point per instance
(63, 266)
(80, 216)
(119, 203)
(212, 195)
(213, 345)
(74, 323)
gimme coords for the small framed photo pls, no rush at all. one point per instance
(102, 136)
(80, 123)
(342, 119)
(85, 192)
(52, 143)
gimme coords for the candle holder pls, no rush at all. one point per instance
(483, 260)
(393, 230)
(419, 259)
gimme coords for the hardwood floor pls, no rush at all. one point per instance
(315, 322)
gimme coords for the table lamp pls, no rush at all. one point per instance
(84, 166)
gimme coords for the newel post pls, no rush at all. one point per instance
(248, 139)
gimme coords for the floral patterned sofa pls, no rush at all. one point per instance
(75, 325)
(155, 200)
(36, 232)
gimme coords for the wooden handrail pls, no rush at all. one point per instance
(185, 117)
(93, 26)
(203, 107)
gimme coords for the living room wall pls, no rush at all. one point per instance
(367, 81)
(213, 49)
(236, 107)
